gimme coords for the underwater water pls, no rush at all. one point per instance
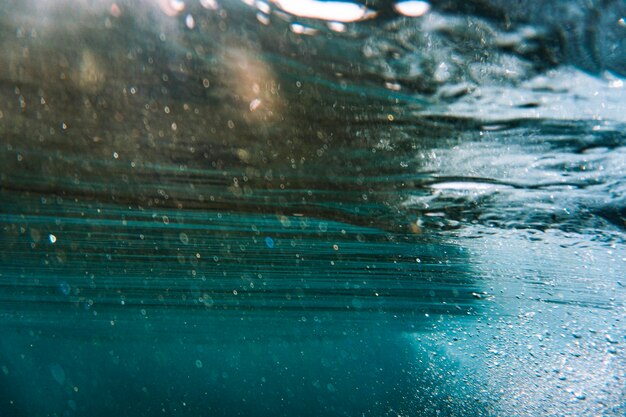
(227, 208)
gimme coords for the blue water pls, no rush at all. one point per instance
(215, 208)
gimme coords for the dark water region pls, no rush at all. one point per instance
(312, 208)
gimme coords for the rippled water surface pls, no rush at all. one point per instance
(312, 208)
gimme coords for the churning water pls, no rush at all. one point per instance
(267, 208)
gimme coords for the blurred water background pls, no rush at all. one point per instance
(312, 208)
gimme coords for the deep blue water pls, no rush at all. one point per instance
(221, 208)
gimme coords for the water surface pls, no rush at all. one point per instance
(231, 209)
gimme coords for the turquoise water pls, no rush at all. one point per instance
(217, 208)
